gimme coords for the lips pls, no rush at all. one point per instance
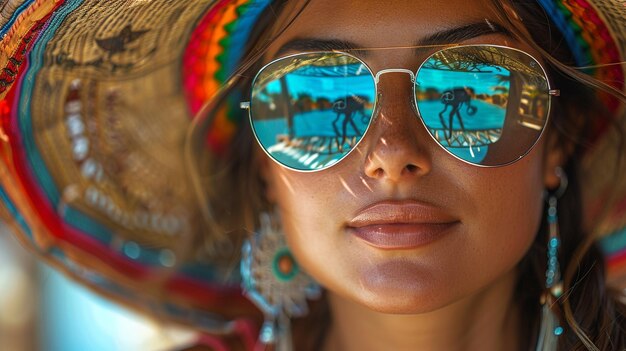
(401, 225)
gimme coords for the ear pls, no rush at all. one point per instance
(556, 153)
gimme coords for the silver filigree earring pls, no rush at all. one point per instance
(274, 281)
(550, 328)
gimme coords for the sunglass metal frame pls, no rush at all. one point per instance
(376, 77)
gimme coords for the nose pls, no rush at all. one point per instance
(397, 146)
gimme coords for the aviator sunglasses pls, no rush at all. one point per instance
(486, 105)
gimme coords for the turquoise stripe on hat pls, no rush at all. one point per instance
(241, 31)
(15, 213)
(36, 59)
(5, 28)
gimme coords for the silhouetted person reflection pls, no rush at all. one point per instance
(455, 98)
(348, 106)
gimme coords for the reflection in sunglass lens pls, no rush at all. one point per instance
(308, 111)
(487, 105)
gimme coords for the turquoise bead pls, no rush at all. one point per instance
(554, 242)
(558, 331)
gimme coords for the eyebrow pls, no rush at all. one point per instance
(314, 44)
(447, 36)
(466, 32)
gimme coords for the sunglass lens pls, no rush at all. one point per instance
(486, 105)
(308, 111)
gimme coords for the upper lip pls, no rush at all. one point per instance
(401, 212)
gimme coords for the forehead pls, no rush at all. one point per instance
(390, 23)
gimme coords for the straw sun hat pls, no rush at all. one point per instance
(96, 98)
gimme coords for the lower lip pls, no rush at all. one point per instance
(402, 236)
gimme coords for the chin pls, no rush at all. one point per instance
(404, 304)
(401, 288)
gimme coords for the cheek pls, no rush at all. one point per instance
(314, 208)
(507, 213)
(502, 210)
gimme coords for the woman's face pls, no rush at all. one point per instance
(400, 225)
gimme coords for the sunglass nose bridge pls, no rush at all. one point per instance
(394, 70)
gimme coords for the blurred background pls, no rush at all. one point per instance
(41, 310)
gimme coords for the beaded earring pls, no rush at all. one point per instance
(550, 328)
(273, 280)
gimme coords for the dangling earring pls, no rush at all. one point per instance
(550, 328)
(273, 280)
